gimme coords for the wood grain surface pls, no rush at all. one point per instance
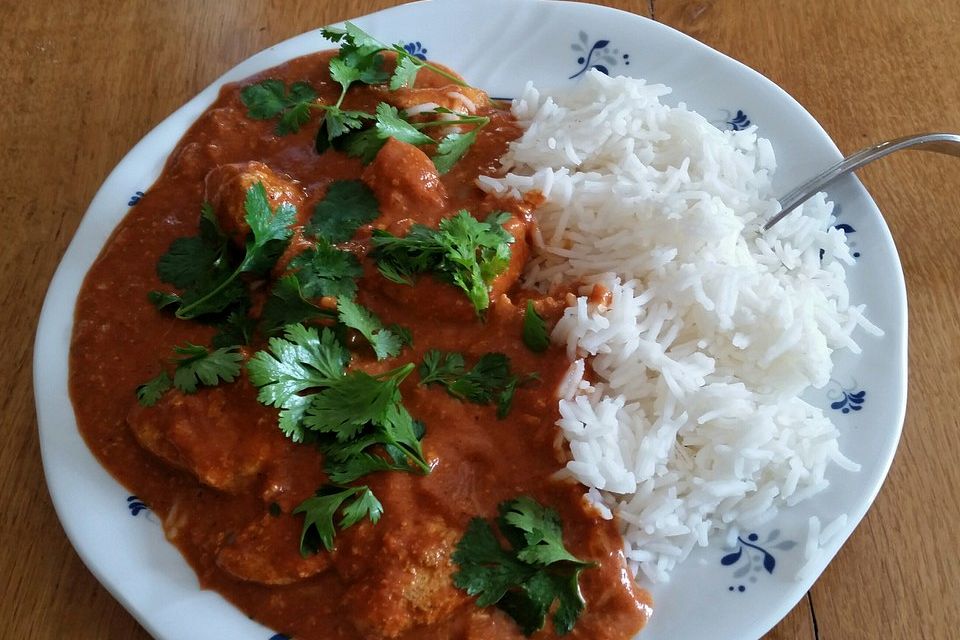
(82, 82)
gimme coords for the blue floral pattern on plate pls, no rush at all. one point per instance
(599, 56)
(135, 198)
(846, 398)
(751, 557)
(417, 50)
(136, 505)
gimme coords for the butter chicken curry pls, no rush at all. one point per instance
(306, 349)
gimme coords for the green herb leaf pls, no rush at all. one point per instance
(452, 148)
(197, 365)
(525, 580)
(535, 334)
(490, 379)
(305, 358)
(390, 124)
(462, 251)
(288, 305)
(150, 392)
(405, 73)
(237, 329)
(270, 99)
(385, 344)
(354, 504)
(163, 299)
(347, 206)
(220, 288)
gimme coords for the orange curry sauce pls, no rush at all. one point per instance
(214, 466)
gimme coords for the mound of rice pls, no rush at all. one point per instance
(691, 423)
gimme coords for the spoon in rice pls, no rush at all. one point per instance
(946, 143)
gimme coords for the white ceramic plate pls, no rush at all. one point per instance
(717, 593)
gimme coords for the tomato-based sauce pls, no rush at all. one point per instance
(225, 480)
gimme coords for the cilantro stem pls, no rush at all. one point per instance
(184, 312)
(403, 53)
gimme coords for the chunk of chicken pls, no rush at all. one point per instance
(451, 96)
(224, 443)
(406, 184)
(267, 552)
(225, 188)
(411, 581)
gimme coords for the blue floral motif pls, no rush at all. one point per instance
(136, 505)
(846, 399)
(738, 121)
(279, 636)
(135, 198)
(752, 557)
(599, 56)
(417, 50)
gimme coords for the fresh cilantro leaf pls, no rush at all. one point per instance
(364, 144)
(163, 299)
(347, 206)
(390, 124)
(269, 227)
(541, 528)
(440, 367)
(194, 260)
(270, 99)
(535, 334)
(462, 251)
(305, 358)
(354, 504)
(264, 100)
(150, 392)
(525, 580)
(385, 344)
(490, 379)
(269, 233)
(348, 404)
(405, 73)
(452, 148)
(288, 305)
(404, 335)
(236, 330)
(343, 73)
(197, 365)
(327, 271)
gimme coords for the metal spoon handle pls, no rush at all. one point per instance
(947, 143)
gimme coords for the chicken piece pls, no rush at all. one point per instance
(224, 442)
(406, 184)
(411, 585)
(267, 552)
(225, 188)
(451, 96)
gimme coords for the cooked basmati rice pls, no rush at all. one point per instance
(691, 424)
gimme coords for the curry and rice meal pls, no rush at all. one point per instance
(392, 359)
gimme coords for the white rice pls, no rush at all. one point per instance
(692, 425)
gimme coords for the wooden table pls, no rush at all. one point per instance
(82, 82)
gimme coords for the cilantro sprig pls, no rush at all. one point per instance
(272, 99)
(193, 365)
(319, 530)
(489, 380)
(362, 52)
(360, 60)
(463, 251)
(201, 265)
(352, 415)
(527, 578)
